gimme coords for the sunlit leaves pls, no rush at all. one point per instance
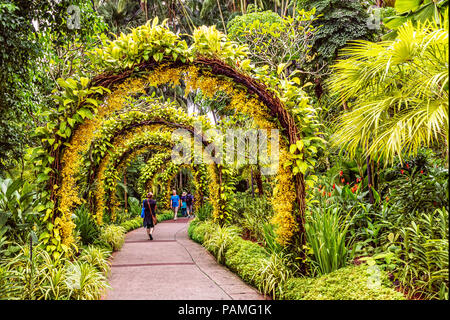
(400, 93)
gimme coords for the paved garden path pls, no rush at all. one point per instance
(171, 267)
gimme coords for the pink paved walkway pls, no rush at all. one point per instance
(171, 267)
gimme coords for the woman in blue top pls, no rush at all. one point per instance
(183, 204)
(175, 203)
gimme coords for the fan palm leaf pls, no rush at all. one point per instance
(398, 90)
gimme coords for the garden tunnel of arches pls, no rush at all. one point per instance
(112, 91)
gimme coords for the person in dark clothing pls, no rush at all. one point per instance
(149, 211)
(189, 203)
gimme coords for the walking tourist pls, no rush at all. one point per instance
(175, 203)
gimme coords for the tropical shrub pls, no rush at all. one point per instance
(349, 283)
(422, 256)
(274, 40)
(37, 276)
(135, 206)
(165, 215)
(18, 207)
(252, 213)
(220, 240)
(396, 107)
(274, 272)
(204, 212)
(339, 21)
(85, 225)
(326, 235)
(415, 11)
(85, 281)
(241, 256)
(132, 224)
(253, 263)
(113, 235)
(96, 257)
(202, 230)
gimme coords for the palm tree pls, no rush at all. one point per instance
(397, 92)
(120, 14)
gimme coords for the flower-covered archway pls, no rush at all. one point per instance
(153, 56)
(160, 163)
(126, 149)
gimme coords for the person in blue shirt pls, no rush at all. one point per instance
(175, 203)
(183, 204)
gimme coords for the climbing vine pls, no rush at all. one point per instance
(80, 135)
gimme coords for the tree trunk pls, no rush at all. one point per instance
(259, 182)
(251, 180)
(369, 179)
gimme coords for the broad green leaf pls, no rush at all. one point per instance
(292, 148)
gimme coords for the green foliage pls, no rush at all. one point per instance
(146, 42)
(274, 272)
(350, 283)
(134, 206)
(204, 212)
(397, 106)
(32, 59)
(165, 215)
(219, 241)
(252, 214)
(118, 14)
(416, 11)
(339, 21)
(132, 224)
(416, 190)
(85, 281)
(209, 42)
(326, 235)
(97, 257)
(201, 231)
(244, 258)
(38, 277)
(249, 260)
(422, 256)
(18, 207)
(273, 40)
(18, 49)
(85, 225)
(113, 235)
